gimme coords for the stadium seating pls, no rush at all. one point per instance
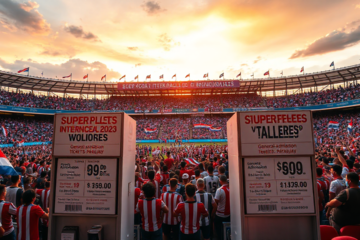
(327, 232)
(353, 231)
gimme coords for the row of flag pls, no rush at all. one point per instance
(208, 126)
(206, 75)
(335, 125)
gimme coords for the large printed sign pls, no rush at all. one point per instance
(177, 85)
(87, 134)
(276, 133)
(86, 186)
(278, 185)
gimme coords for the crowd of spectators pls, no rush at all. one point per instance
(175, 128)
(210, 103)
(206, 133)
(27, 129)
(149, 123)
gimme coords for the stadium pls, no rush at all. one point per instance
(179, 119)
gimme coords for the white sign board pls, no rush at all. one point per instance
(87, 134)
(276, 133)
(278, 185)
(86, 186)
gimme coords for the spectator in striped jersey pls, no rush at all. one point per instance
(7, 210)
(222, 199)
(171, 199)
(190, 212)
(151, 176)
(210, 205)
(151, 210)
(44, 195)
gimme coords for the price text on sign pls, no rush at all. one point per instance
(86, 186)
(282, 185)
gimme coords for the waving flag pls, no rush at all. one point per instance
(239, 75)
(122, 77)
(221, 75)
(201, 125)
(174, 76)
(332, 64)
(150, 130)
(86, 76)
(162, 76)
(282, 73)
(4, 130)
(350, 127)
(137, 77)
(302, 69)
(148, 76)
(191, 161)
(67, 76)
(21, 143)
(214, 129)
(206, 75)
(103, 77)
(267, 73)
(23, 70)
(187, 76)
(5, 166)
(333, 124)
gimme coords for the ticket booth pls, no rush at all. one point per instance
(92, 175)
(272, 170)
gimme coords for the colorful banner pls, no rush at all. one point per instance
(177, 85)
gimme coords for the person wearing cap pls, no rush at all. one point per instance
(210, 205)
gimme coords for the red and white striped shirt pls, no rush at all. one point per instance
(7, 209)
(190, 216)
(157, 187)
(44, 195)
(28, 222)
(223, 196)
(137, 195)
(150, 211)
(171, 200)
(139, 183)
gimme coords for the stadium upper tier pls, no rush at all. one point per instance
(309, 80)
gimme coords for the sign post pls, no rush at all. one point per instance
(273, 191)
(92, 179)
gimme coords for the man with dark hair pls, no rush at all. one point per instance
(210, 205)
(221, 171)
(164, 176)
(169, 161)
(151, 210)
(197, 176)
(222, 199)
(338, 183)
(40, 182)
(151, 176)
(14, 192)
(190, 220)
(7, 211)
(28, 216)
(211, 181)
(171, 199)
(42, 167)
(203, 173)
(346, 204)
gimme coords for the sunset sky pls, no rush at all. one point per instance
(137, 37)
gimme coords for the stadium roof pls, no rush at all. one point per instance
(316, 79)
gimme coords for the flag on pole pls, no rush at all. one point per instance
(350, 127)
(206, 75)
(174, 76)
(187, 76)
(239, 75)
(215, 129)
(221, 75)
(333, 124)
(86, 76)
(23, 70)
(191, 161)
(282, 73)
(4, 130)
(67, 76)
(162, 76)
(267, 73)
(302, 69)
(148, 76)
(136, 77)
(42, 73)
(332, 64)
(5, 166)
(103, 77)
(252, 75)
(122, 77)
(150, 130)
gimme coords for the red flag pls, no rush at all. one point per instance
(161, 76)
(122, 77)
(86, 76)
(103, 77)
(238, 75)
(174, 76)
(137, 76)
(23, 70)
(206, 75)
(148, 76)
(187, 76)
(302, 69)
(267, 73)
(67, 76)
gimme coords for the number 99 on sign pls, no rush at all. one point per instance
(96, 170)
